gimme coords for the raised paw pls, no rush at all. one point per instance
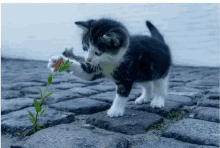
(54, 60)
(157, 102)
(115, 112)
(69, 53)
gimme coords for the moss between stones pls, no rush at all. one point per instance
(157, 126)
(176, 115)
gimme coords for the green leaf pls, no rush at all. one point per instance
(66, 62)
(36, 105)
(18, 134)
(49, 79)
(34, 124)
(61, 64)
(41, 93)
(62, 68)
(33, 120)
(42, 112)
(42, 105)
(31, 114)
(48, 95)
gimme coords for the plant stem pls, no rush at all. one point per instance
(41, 102)
(47, 87)
(36, 122)
(55, 73)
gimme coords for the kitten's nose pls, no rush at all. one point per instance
(89, 60)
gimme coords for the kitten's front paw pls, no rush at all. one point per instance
(53, 60)
(115, 112)
(157, 102)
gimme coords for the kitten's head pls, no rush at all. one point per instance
(103, 40)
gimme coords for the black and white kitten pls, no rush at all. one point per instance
(114, 54)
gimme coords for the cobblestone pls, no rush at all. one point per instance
(190, 117)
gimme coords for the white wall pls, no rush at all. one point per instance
(38, 31)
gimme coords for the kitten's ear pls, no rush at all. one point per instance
(111, 39)
(83, 25)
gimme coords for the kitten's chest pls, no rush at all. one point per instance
(108, 69)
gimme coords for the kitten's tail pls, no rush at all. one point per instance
(154, 31)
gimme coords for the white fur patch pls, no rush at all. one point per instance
(160, 91)
(90, 54)
(147, 94)
(118, 106)
(161, 86)
(157, 102)
(142, 99)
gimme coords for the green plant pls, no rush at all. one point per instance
(173, 115)
(38, 107)
(158, 126)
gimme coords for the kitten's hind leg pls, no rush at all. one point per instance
(147, 93)
(160, 92)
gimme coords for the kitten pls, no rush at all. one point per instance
(125, 59)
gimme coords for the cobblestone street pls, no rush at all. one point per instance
(76, 111)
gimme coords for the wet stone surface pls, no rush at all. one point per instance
(132, 122)
(81, 106)
(172, 143)
(169, 106)
(67, 135)
(207, 113)
(76, 113)
(16, 121)
(194, 131)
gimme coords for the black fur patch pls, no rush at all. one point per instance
(87, 68)
(124, 88)
(97, 76)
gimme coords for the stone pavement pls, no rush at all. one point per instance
(75, 115)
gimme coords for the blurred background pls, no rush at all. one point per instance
(39, 31)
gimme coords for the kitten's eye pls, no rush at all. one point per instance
(98, 54)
